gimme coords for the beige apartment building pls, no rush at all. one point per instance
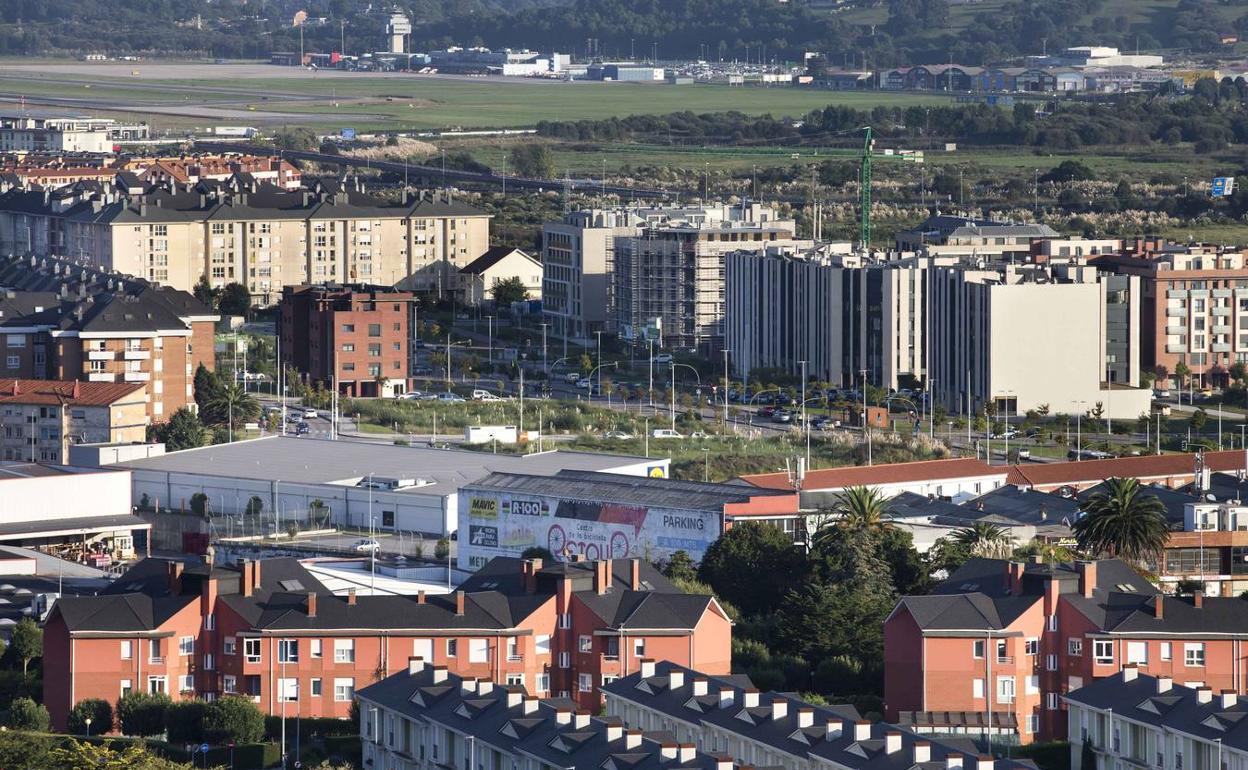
(41, 419)
(255, 234)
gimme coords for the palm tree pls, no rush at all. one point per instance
(1123, 522)
(861, 508)
(234, 404)
(986, 540)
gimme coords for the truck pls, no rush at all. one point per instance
(241, 132)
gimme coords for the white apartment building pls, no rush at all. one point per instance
(1131, 721)
(577, 253)
(1025, 336)
(836, 311)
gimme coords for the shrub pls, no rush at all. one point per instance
(140, 713)
(25, 714)
(442, 549)
(100, 711)
(233, 718)
(184, 721)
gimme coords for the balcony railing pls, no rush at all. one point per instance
(1005, 659)
(136, 355)
(100, 355)
(101, 377)
(138, 376)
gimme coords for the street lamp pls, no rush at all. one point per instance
(695, 374)
(88, 721)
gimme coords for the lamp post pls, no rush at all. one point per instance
(865, 428)
(695, 374)
(88, 721)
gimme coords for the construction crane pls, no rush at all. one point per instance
(864, 181)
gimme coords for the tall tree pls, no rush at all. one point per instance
(1123, 522)
(509, 290)
(751, 565)
(182, 431)
(858, 508)
(234, 403)
(985, 539)
(234, 299)
(26, 642)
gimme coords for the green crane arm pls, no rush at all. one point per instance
(864, 185)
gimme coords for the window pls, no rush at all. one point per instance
(1032, 725)
(374, 330)
(1103, 651)
(127, 687)
(1166, 653)
(1074, 646)
(452, 648)
(127, 649)
(251, 650)
(348, 328)
(157, 684)
(1005, 689)
(153, 651)
(344, 650)
(344, 689)
(210, 620)
(977, 688)
(639, 648)
(585, 682)
(186, 683)
(288, 689)
(186, 645)
(229, 684)
(565, 660)
(513, 649)
(1050, 662)
(565, 620)
(586, 643)
(542, 644)
(1137, 652)
(210, 663)
(977, 648)
(478, 650)
(287, 650)
(315, 648)
(1050, 701)
(516, 679)
(543, 683)
(14, 362)
(1194, 654)
(1032, 684)
(1053, 623)
(314, 688)
(1031, 646)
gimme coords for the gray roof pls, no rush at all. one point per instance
(634, 490)
(1020, 505)
(1174, 500)
(949, 226)
(1173, 706)
(321, 461)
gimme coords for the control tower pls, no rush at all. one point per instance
(398, 28)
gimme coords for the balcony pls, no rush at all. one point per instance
(1199, 292)
(1221, 292)
(1221, 329)
(136, 355)
(1221, 311)
(138, 376)
(514, 657)
(100, 355)
(1176, 312)
(1180, 348)
(1221, 347)
(1176, 293)
(1176, 330)
(101, 377)
(1005, 660)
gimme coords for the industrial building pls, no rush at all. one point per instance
(292, 476)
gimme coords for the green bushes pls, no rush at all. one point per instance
(25, 714)
(99, 711)
(184, 721)
(233, 718)
(142, 714)
(316, 727)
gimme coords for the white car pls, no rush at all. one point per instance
(366, 545)
(309, 414)
(450, 398)
(583, 383)
(663, 358)
(619, 435)
(666, 433)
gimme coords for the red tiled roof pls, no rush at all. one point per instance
(874, 475)
(1146, 467)
(59, 392)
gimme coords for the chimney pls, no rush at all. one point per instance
(632, 739)
(892, 742)
(468, 684)
(779, 708)
(984, 763)
(581, 720)
(1130, 672)
(833, 729)
(1036, 558)
(420, 597)
(602, 576)
(953, 761)
(515, 697)
(1198, 599)
(669, 750)
(687, 752)
(1087, 582)
(439, 674)
(311, 604)
(1204, 694)
(722, 761)
(922, 752)
(647, 668)
(726, 697)
(615, 731)
(244, 576)
(750, 699)
(563, 716)
(1164, 683)
(415, 666)
(485, 686)
(1158, 607)
(530, 706)
(699, 687)
(805, 717)
(351, 597)
(1229, 698)
(1014, 577)
(459, 604)
(635, 583)
(174, 572)
(675, 679)
(862, 730)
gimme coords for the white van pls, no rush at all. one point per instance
(666, 433)
(663, 358)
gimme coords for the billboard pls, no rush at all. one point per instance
(504, 524)
(1222, 187)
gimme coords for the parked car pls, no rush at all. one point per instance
(572, 377)
(663, 358)
(450, 398)
(666, 433)
(366, 545)
(619, 435)
(583, 383)
(411, 395)
(481, 395)
(699, 434)
(766, 411)
(309, 414)
(301, 428)
(781, 416)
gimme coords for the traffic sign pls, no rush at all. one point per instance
(203, 748)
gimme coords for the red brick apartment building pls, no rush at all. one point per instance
(996, 646)
(361, 335)
(269, 630)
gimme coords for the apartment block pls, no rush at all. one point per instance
(1135, 720)
(63, 321)
(727, 716)
(427, 717)
(839, 313)
(986, 240)
(577, 256)
(357, 337)
(249, 231)
(41, 419)
(269, 630)
(1193, 309)
(998, 644)
(1021, 336)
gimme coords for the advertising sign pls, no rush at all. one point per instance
(1222, 187)
(483, 508)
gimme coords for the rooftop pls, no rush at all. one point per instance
(1146, 467)
(875, 475)
(58, 393)
(633, 490)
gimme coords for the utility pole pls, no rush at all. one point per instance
(726, 351)
(865, 429)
